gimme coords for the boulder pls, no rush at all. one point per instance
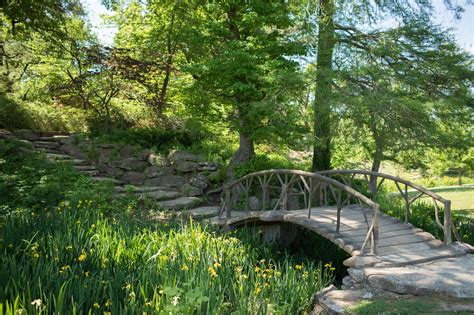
(144, 154)
(134, 178)
(155, 171)
(131, 164)
(26, 134)
(191, 191)
(5, 134)
(110, 170)
(127, 151)
(186, 166)
(199, 181)
(185, 156)
(158, 160)
(167, 180)
(73, 150)
(207, 167)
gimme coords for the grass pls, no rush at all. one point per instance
(412, 305)
(462, 200)
(67, 246)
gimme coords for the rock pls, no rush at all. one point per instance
(334, 301)
(127, 151)
(254, 203)
(155, 171)
(451, 277)
(179, 203)
(191, 191)
(134, 178)
(185, 156)
(357, 274)
(200, 181)
(158, 160)
(110, 171)
(26, 134)
(186, 166)
(207, 166)
(361, 261)
(202, 212)
(167, 180)
(47, 144)
(73, 150)
(5, 134)
(131, 164)
(144, 154)
(162, 195)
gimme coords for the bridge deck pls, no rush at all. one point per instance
(399, 243)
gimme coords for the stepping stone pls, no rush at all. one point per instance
(106, 179)
(89, 172)
(140, 189)
(85, 168)
(162, 195)
(57, 156)
(46, 144)
(203, 212)
(179, 203)
(49, 139)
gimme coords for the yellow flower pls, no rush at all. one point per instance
(96, 305)
(212, 272)
(64, 269)
(108, 303)
(185, 267)
(217, 264)
(238, 269)
(266, 285)
(257, 269)
(327, 265)
(82, 257)
(86, 274)
(332, 269)
(257, 290)
(244, 277)
(69, 247)
(277, 273)
(298, 267)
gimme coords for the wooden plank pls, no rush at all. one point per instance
(409, 248)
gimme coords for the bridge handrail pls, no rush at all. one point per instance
(372, 229)
(447, 226)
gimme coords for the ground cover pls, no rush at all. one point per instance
(67, 246)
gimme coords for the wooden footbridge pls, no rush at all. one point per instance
(340, 206)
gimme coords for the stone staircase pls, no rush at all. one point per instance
(166, 198)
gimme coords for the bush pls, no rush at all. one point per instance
(264, 162)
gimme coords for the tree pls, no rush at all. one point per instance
(241, 60)
(411, 91)
(341, 25)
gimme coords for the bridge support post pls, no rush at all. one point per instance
(447, 222)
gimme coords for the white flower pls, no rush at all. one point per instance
(175, 300)
(37, 302)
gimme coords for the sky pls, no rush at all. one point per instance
(463, 29)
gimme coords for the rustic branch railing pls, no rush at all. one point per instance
(375, 180)
(289, 187)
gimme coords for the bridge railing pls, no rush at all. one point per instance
(282, 189)
(375, 180)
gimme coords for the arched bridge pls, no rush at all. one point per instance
(340, 206)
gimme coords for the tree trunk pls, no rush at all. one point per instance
(245, 152)
(378, 154)
(323, 94)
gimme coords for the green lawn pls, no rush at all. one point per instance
(462, 199)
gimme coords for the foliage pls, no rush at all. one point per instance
(79, 250)
(264, 162)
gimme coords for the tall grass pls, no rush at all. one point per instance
(83, 252)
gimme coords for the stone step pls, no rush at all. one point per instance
(60, 139)
(106, 179)
(89, 172)
(46, 144)
(57, 156)
(85, 168)
(141, 189)
(202, 212)
(180, 203)
(161, 195)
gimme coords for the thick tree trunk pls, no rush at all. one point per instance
(323, 94)
(245, 152)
